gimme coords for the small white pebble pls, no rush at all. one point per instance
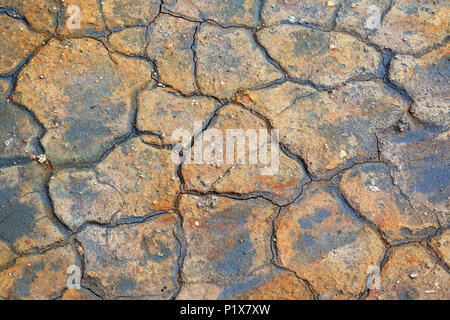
(8, 142)
(42, 158)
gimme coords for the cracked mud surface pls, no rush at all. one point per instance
(358, 91)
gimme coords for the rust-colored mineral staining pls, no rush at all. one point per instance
(224, 149)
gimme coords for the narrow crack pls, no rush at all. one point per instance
(194, 59)
(179, 234)
(277, 262)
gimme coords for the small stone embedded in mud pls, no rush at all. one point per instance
(207, 202)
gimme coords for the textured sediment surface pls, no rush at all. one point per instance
(358, 204)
